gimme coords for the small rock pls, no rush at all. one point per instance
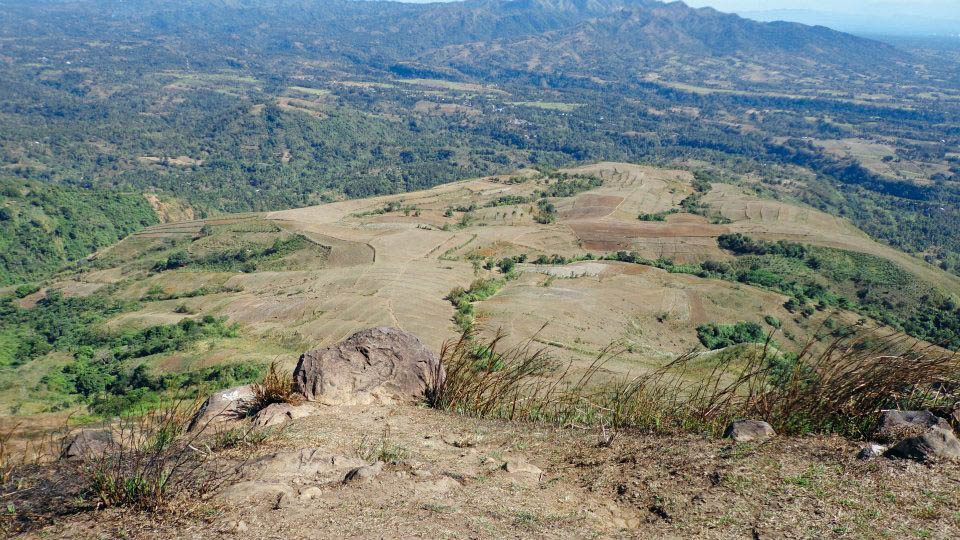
(240, 526)
(895, 425)
(871, 451)
(936, 443)
(521, 467)
(90, 444)
(281, 413)
(445, 484)
(310, 493)
(749, 430)
(307, 465)
(256, 492)
(221, 406)
(283, 501)
(364, 473)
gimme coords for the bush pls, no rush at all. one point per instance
(718, 336)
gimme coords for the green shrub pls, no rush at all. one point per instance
(718, 336)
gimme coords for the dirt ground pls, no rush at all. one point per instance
(452, 477)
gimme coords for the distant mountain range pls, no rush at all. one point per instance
(612, 39)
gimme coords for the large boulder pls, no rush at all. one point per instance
(934, 444)
(386, 365)
(222, 406)
(91, 444)
(896, 425)
(749, 430)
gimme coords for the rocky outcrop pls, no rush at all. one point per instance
(90, 444)
(896, 425)
(222, 406)
(935, 443)
(749, 430)
(281, 413)
(386, 365)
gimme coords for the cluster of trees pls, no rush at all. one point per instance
(44, 227)
(718, 336)
(108, 372)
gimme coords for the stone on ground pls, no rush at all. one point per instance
(934, 444)
(364, 473)
(281, 413)
(90, 444)
(386, 365)
(895, 425)
(221, 406)
(749, 430)
(871, 451)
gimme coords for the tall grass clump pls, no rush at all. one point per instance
(838, 388)
(151, 464)
(277, 386)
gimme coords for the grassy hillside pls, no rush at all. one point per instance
(43, 226)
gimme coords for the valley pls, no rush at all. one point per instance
(584, 273)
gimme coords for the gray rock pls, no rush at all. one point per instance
(364, 473)
(310, 493)
(934, 444)
(308, 464)
(871, 451)
(749, 430)
(951, 414)
(281, 413)
(256, 492)
(520, 466)
(91, 444)
(221, 406)
(384, 365)
(895, 425)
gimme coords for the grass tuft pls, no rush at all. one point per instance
(277, 387)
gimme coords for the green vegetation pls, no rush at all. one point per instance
(109, 370)
(43, 227)
(658, 216)
(156, 293)
(463, 299)
(718, 336)
(568, 185)
(234, 260)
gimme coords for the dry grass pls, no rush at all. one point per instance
(152, 466)
(840, 390)
(277, 387)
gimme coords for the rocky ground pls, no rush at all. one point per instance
(451, 477)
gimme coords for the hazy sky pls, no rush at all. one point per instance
(900, 16)
(932, 8)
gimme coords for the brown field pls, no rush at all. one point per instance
(871, 154)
